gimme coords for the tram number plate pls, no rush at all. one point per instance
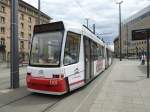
(53, 82)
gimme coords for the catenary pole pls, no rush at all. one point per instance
(148, 32)
(39, 9)
(119, 3)
(87, 22)
(14, 55)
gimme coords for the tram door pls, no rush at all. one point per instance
(87, 59)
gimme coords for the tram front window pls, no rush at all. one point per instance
(46, 48)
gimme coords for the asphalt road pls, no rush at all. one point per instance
(76, 101)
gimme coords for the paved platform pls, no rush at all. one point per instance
(5, 75)
(126, 89)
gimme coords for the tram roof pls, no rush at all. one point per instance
(81, 29)
(68, 26)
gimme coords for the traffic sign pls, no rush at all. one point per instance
(140, 34)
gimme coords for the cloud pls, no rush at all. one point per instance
(104, 13)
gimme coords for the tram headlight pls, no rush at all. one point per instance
(28, 77)
(61, 76)
(29, 74)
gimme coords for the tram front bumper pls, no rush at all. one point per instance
(46, 85)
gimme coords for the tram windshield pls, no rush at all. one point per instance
(46, 48)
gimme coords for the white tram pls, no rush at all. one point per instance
(64, 57)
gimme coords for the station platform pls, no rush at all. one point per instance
(123, 87)
(126, 89)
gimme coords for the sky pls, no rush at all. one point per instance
(102, 13)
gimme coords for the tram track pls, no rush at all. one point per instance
(50, 101)
(50, 106)
(16, 100)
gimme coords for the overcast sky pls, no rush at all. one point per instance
(103, 13)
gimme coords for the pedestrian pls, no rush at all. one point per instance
(143, 59)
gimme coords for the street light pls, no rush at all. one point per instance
(119, 3)
(14, 46)
(39, 8)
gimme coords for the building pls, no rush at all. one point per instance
(116, 47)
(140, 20)
(27, 18)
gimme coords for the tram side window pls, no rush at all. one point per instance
(72, 49)
(99, 51)
(94, 51)
(102, 51)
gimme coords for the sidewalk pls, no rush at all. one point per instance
(126, 89)
(5, 76)
(5, 70)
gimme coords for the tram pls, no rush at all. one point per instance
(63, 57)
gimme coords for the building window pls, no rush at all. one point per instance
(2, 41)
(30, 27)
(29, 42)
(22, 16)
(29, 19)
(22, 45)
(2, 9)
(2, 30)
(2, 20)
(29, 35)
(22, 34)
(22, 8)
(22, 25)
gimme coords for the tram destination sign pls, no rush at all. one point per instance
(140, 34)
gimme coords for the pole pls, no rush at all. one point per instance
(87, 22)
(14, 45)
(148, 54)
(120, 31)
(120, 28)
(94, 28)
(127, 42)
(39, 8)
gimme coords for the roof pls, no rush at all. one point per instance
(33, 8)
(138, 14)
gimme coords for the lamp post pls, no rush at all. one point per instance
(119, 3)
(39, 8)
(127, 41)
(14, 77)
(87, 22)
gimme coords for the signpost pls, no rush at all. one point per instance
(143, 34)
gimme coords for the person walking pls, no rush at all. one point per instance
(143, 59)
